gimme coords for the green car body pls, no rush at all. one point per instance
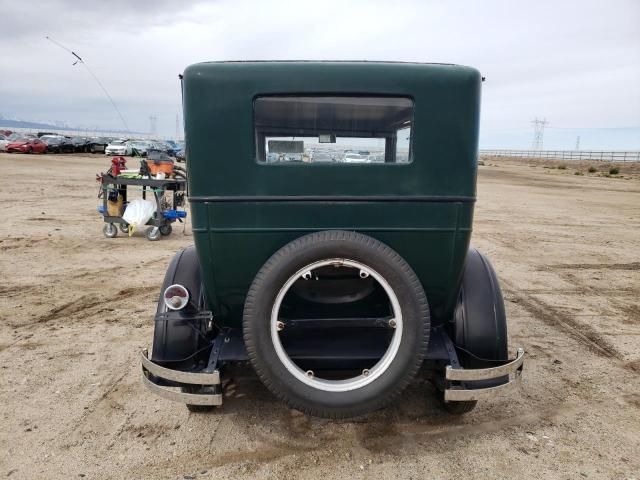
(244, 210)
(332, 210)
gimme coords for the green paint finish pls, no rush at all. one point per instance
(234, 237)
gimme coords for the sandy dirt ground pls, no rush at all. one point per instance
(77, 308)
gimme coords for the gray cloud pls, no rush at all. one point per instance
(575, 62)
(41, 17)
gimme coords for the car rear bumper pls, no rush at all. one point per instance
(170, 384)
(466, 384)
(460, 384)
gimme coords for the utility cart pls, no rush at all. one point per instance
(168, 210)
(332, 227)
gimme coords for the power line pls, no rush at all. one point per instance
(538, 133)
(80, 60)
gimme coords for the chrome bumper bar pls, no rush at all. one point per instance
(152, 370)
(461, 393)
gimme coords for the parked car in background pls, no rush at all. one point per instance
(27, 145)
(141, 147)
(172, 147)
(379, 158)
(119, 147)
(97, 144)
(80, 144)
(323, 157)
(17, 136)
(355, 158)
(3, 143)
(58, 144)
(180, 152)
(160, 146)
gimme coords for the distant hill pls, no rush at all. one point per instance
(32, 125)
(13, 124)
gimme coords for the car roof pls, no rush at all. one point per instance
(446, 105)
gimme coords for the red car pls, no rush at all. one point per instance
(27, 145)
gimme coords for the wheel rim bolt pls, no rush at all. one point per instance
(392, 323)
(279, 326)
(365, 372)
(310, 373)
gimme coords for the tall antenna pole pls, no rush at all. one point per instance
(80, 60)
(538, 133)
(153, 125)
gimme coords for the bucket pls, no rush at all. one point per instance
(160, 166)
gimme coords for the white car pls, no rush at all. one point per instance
(118, 147)
(355, 158)
(3, 143)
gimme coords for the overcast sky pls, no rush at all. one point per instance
(575, 63)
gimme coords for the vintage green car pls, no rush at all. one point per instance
(332, 207)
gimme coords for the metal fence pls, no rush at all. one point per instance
(603, 156)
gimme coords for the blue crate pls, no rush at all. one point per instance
(174, 214)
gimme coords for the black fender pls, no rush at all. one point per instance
(480, 322)
(180, 335)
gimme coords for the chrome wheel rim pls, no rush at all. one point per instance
(367, 376)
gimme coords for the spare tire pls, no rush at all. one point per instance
(373, 387)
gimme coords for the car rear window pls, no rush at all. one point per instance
(333, 129)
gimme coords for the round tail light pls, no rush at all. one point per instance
(176, 297)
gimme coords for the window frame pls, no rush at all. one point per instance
(394, 164)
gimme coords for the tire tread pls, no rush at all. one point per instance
(313, 239)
